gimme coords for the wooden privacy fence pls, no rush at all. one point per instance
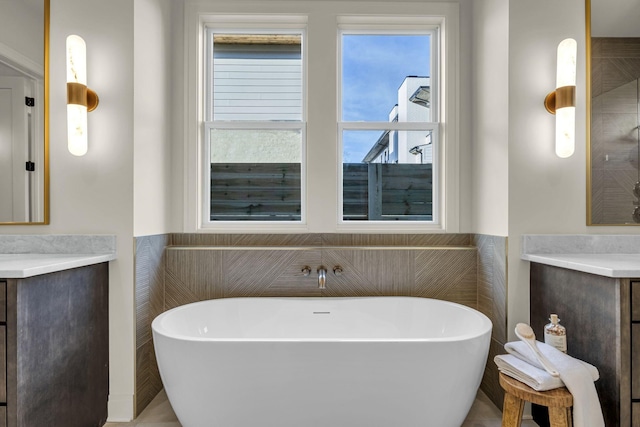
(272, 191)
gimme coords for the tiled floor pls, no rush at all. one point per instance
(483, 413)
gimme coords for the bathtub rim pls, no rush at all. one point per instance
(484, 329)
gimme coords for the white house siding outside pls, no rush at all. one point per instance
(257, 82)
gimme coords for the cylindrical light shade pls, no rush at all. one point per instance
(76, 60)
(77, 140)
(565, 131)
(566, 114)
(567, 52)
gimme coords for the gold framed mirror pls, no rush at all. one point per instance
(24, 112)
(613, 112)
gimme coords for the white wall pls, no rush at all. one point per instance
(152, 116)
(94, 194)
(619, 21)
(21, 28)
(490, 136)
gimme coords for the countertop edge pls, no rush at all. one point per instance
(591, 264)
(50, 263)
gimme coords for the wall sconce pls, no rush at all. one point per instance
(562, 101)
(80, 99)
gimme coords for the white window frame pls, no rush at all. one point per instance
(241, 27)
(392, 26)
(322, 152)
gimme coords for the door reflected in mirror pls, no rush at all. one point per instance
(24, 180)
(613, 76)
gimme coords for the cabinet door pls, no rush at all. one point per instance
(635, 360)
(3, 365)
(635, 301)
(635, 349)
(3, 352)
(3, 302)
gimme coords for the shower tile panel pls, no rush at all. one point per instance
(195, 275)
(369, 272)
(269, 273)
(597, 196)
(439, 240)
(276, 240)
(615, 67)
(192, 276)
(492, 282)
(449, 275)
(616, 72)
(319, 239)
(148, 382)
(197, 239)
(490, 384)
(423, 240)
(492, 301)
(618, 195)
(149, 287)
(622, 99)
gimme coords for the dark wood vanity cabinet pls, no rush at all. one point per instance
(54, 335)
(602, 317)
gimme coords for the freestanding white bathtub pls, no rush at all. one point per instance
(321, 362)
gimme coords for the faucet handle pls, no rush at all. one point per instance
(322, 277)
(337, 270)
(306, 270)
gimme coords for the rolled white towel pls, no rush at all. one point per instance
(537, 379)
(577, 375)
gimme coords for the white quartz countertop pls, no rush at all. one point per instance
(19, 266)
(609, 264)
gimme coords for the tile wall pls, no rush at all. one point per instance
(615, 70)
(177, 269)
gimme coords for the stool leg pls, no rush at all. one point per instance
(512, 411)
(560, 417)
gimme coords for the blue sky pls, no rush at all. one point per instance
(373, 68)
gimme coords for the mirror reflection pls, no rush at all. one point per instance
(23, 149)
(614, 157)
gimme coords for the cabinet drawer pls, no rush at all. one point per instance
(635, 415)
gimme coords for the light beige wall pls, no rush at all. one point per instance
(21, 28)
(619, 21)
(490, 135)
(152, 116)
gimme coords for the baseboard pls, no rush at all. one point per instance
(120, 408)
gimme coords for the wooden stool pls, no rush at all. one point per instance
(559, 402)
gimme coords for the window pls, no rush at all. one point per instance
(388, 130)
(278, 140)
(254, 129)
